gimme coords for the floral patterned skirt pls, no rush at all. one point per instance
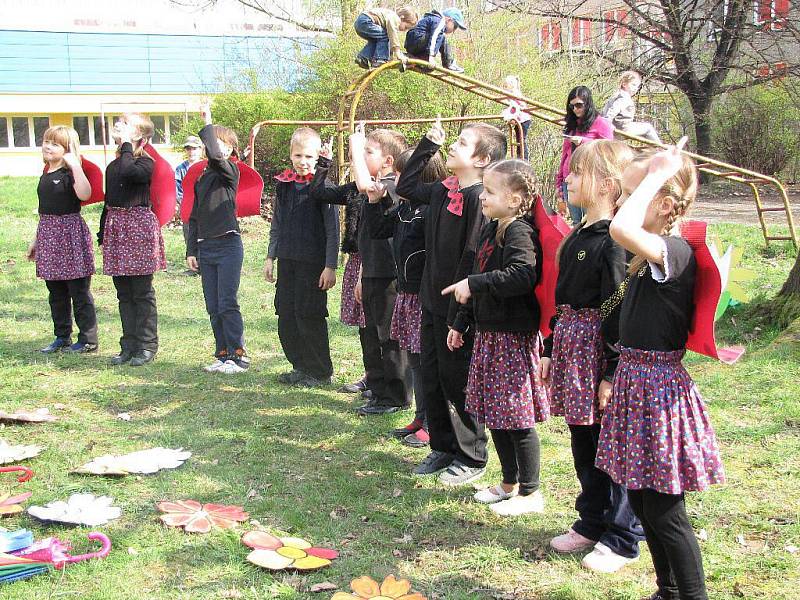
(656, 432)
(351, 312)
(406, 322)
(503, 388)
(132, 242)
(63, 248)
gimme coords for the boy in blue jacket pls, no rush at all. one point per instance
(427, 38)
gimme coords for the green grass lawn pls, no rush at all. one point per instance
(300, 461)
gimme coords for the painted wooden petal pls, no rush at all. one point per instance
(269, 559)
(344, 596)
(221, 522)
(289, 552)
(262, 540)
(365, 587)
(176, 519)
(295, 542)
(15, 499)
(412, 596)
(180, 506)
(394, 588)
(310, 562)
(322, 553)
(10, 509)
(228, 512)
(200, 523)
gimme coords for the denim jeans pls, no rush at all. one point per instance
(220, 262)
(377, 48)
(525, 127)
(575, 212)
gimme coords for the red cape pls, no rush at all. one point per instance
(707, 290)
(162, 187)
(248, 195)
(95, 177)
(552, 229)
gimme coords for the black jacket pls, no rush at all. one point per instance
(127, 183)
(503, 281)
(214, 210)
(450, 240)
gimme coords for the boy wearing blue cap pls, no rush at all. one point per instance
(427, 38)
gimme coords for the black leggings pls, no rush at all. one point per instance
(672, 543)
(518, 451)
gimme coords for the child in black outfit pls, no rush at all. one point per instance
(304, 237)
(452, 228)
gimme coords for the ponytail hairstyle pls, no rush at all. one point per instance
(144, 128)
(596, 161)
(681, 188)
(518, 177)
(64, 136)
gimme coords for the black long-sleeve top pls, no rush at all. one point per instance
(56, 191)
(590, 269)
(503, 281)
(214, 210)
(405, 225)
(127, 183)
(376, 254)
(450, 240)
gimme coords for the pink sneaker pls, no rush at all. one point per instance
(570, 542)
(603, 560)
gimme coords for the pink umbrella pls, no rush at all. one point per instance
(56, 552)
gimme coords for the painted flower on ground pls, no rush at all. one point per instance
(147, 461)
(79, 509)
(366, 588)
(199, 518)
(11, 505)
(40, 415)
(276, 554)
(10, 454)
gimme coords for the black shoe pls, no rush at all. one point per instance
(367, 394)
(291, 377)
(81, 348)
(312, 382)
(434, 463)
(121, 358)
(376, 408)
(362, 61)
(354, 388)
(57, 345)
(142, 357)
(191, 273)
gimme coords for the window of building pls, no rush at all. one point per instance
(22, 132)
(550, 36)
(581, 33)
(81, 125)
(772, 14)
(613, 28)
(97, 127)
(40, 125)
(159, 129)
(176, 123)
(3, 132)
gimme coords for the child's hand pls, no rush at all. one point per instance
(460, 290)
(436, 133)
(358, 140)
(327, 279)
(576, 139)
(72, 160)
(357, 292)
(327, 150)
(30, 254)
(544, 368)
(191, 262)
(667, 162)
(455, 339)
(375, 192)
(268, 269)
(205, 111)
(604, 394)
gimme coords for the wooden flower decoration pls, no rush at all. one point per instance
(276, 554)
(11, 505)
(147, 461)
(79, 509)
(10, 454)
(200, 518)
(366, 588)
(40, 415)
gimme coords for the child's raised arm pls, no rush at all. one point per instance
(409, 186)
(323, 191)
(358, 161)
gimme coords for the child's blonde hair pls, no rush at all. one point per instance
(228, 136)
(391, 143)
(513, 85)
(408, 14)
(519, 178)
(144, 127)
(629, 76)
(681, 188)
(304, 135)
(64, 136)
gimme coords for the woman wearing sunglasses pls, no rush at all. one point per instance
(583, 124)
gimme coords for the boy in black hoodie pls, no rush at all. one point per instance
(452, 227)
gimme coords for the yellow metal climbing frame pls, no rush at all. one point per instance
(346, 120)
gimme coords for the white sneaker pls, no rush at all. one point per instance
(603, 560)
(231, 368)
(520, 505)
(493, 494)
(570, 542)
(214, 367)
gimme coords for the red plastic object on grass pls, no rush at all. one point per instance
(552, 229)
(248, 196)
(56, 552)
(162, 187)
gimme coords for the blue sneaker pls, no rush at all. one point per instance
(57, 345)
(81, 348)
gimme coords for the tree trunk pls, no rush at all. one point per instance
(792, 284)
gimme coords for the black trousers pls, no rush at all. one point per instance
(420, 51)
(444, 379)
(604, 512)
(302, 308)
(68, 297)
(672, 543)
(518, 451)
(387, 367)
(138, 313)
(420, 414)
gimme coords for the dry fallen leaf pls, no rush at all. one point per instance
(232, 593)
(325, 586)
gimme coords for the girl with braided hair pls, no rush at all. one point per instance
(580, 355)
(504, 389)
(656, 438)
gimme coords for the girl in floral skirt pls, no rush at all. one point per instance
(504, 389)
(656, 437)
(63, 245)
(583, 347)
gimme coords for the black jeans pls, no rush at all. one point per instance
(419, 50)
(672, 543)
(68, 297)
(604, 512)
(387, 366)
(220, 262)
(444, 378)
(420, 413)
(138, 313)
(302, 308)
(518, 451)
